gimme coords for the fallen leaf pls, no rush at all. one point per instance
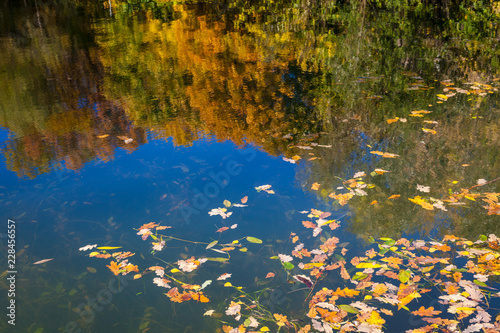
(43, 261)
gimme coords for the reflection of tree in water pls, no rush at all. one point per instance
(249, 74)
(58, 111)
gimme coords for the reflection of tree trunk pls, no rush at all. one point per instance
(37, 14)
(110, 9)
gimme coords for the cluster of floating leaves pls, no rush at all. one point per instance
(391, 276)
(357, 187)
(343, 294)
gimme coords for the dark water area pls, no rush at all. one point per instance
(117, 114)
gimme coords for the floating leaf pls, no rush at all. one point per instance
(288, 266)
(404, 276)
(43, 261)
(254, 240)
(428, 130)
(212, 244)
(348, 308)
(227, 203)
(109, 247)
(218, 259)
(386, 155)
(423, 312)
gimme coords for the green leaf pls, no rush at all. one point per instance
(348, 308)
(144, 325)
(479, 283)
(368, 265)
(254, 240)
(212, 244)
(219, 259)
(404, 276)
(243, 249)
(288, 266)
(227, 203)
(274, 257)
(360, 277)
(483, 238)
(109, 247)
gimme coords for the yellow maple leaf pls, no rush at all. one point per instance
(375, 319)
(281, 319)
(419, 201)
(380, 289)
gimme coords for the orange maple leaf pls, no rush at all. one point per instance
(222, 229)
(149, 225)
(423, 312)
(309, 224)
(114, 267)
(315, 186)
(346, 292)
(393, 262)
(200, 297)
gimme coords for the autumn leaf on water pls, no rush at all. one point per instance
(149, 225)
(289, 160)
(125, 139)
(386, 155)
(304, 279)
(162, 227)
(309, 224)
(200, 297)
(270, 275)
(422, 188)
(419, 113)
(208, 312)
(394, 196)
(419, 201)
(43, 261)
(221, 212)
(224, 276)
(114, 267)
(87, 247)
(428, 130)
(359, 174)
(342, 198)
(254, 240)
(375, 319)
(390, 121)
(244, 200)
(380, 171)
(346, 292)
(222, 229)
(108, 247)
(423, 312)
(315, 186)
(281, 319)
(100, 255)
(265, 188)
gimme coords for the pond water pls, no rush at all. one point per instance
(335, 123)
